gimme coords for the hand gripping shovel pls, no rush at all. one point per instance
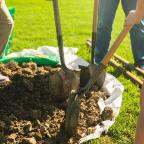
(68, 79)
(86, 72)
(73, 115)
(101, 67)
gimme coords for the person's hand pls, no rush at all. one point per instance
(134, 17)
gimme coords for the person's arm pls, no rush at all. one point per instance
(135, 16)
(140, 123)
(140, 9)
(6, 25)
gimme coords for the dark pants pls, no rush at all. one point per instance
(107, 11)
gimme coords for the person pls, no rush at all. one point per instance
(6, 25)
(134, 17)
(107, 10)
(140, 123)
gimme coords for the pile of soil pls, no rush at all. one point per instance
(29, 115)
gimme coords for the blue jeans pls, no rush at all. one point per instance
(107, 10)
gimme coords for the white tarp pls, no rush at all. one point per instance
(111, 85)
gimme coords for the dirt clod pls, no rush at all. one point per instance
(30, 112)
(29, 141)
(12, 137)
(28, 127)
(107, 114)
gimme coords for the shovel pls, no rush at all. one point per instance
(101, 67)
(72, 116)
(65, 80)
(86, 72)
(73, 108)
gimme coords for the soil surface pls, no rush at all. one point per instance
(29, 112)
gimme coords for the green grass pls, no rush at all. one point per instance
(34, 27)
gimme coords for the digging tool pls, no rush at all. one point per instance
(127, 74)
(66, 80)
(86, 72)
(101, 67)
(129, 67)
(73, 108)
(126, 63)
(73, 116)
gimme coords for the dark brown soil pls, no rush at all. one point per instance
(29, 112)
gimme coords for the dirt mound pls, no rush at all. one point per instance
(30, 115)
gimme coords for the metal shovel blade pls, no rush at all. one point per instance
(88, 72)
(97, 78)
(73, 110)
(68, 79)
(72, 115)
(62, 83)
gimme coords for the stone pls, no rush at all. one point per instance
(29, 141)
(12, 137)
(28, 127)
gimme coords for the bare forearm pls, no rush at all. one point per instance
(6, 25)
(140, 8)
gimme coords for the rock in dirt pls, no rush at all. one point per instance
(107, 114)
(29, 141)
(11, 138)
(13, 66)
(28, 127)
(30, 65)
(91, 130)
(38, 136)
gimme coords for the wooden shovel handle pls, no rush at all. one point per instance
(57, 17)
(94, 28)
(95, 15)
(59, 32)
(116, 44)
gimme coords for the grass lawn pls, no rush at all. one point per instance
(34, 27)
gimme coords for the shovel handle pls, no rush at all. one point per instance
(116, 44)
(95, 15)
(94, 28)
(59, 31)
(57, 17)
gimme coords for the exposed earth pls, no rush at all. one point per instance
(29, 112)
